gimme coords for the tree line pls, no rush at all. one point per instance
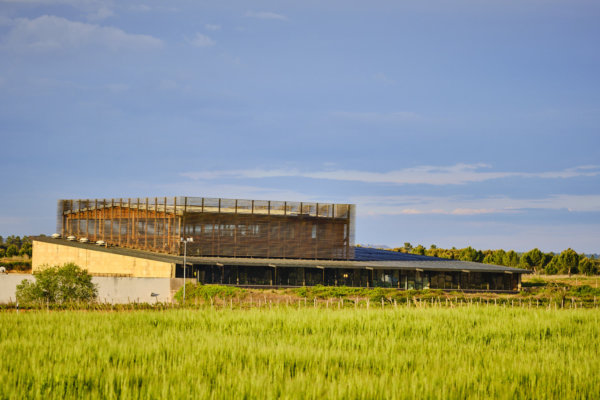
(12, 246)
(566, 262)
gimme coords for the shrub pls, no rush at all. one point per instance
(67, 283)
(207, 292)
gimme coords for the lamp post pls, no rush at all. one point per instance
(185, 242)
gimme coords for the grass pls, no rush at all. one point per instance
(564, 280)
(288, 352)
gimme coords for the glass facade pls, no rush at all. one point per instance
(350, 277)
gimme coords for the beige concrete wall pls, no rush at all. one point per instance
(99, 262)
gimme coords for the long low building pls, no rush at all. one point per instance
(367, 268)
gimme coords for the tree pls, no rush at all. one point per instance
(2, 252)
(532, 259)
(552, 267)
(12, 251)
(419, 250)
(470, 254)
(26, 250)
(12, 239)
(568, 261)
(67, 283)
(489, 258)
(511, 259)
(407, 246)
(587, 266)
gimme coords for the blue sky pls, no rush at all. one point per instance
(449, 122)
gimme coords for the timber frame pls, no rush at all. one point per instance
(218, 227)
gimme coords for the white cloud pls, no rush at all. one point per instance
(212, 27)
(430, 175)
(200, 40)
(417, 205)
(265, 15)
(51, 33)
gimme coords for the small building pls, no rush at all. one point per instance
(245, 243)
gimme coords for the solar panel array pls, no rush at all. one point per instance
(371, 254)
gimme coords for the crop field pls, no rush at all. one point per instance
(291, 352)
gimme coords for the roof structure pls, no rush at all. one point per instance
(365, 258)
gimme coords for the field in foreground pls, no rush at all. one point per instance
(471, 352)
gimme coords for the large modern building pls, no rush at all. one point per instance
(245, 243)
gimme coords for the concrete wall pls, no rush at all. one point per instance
(99, 262)
(8, 286)
(127, 290)
(110, 289)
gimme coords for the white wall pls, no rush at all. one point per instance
(110, 289)
(8, 285)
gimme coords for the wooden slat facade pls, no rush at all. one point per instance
(219, 227)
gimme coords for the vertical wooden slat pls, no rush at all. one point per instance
(155, 222)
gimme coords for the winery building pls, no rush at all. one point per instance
(257, 243)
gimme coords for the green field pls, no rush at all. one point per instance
(286, 352)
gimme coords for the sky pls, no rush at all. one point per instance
(447, 122)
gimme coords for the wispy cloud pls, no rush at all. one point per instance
(117, 87)
(265, 15)
(212, 27)
(200, 40)
(51, 33)
(430, 175)
(101, 13)
(457, 205)
(378, 117)
(383, 78)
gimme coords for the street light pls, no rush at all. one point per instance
(185, 242)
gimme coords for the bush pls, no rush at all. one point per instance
(67, 283)
(206, 292)
(534, 282)
(584, 291)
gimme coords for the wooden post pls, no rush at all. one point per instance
(173, 228)
(95, 220)
(165, 237)
(146, 226)
(87, 219)
(120, 218)
(155, 222)
(129, 222)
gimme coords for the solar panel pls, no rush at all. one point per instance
(370, 254)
